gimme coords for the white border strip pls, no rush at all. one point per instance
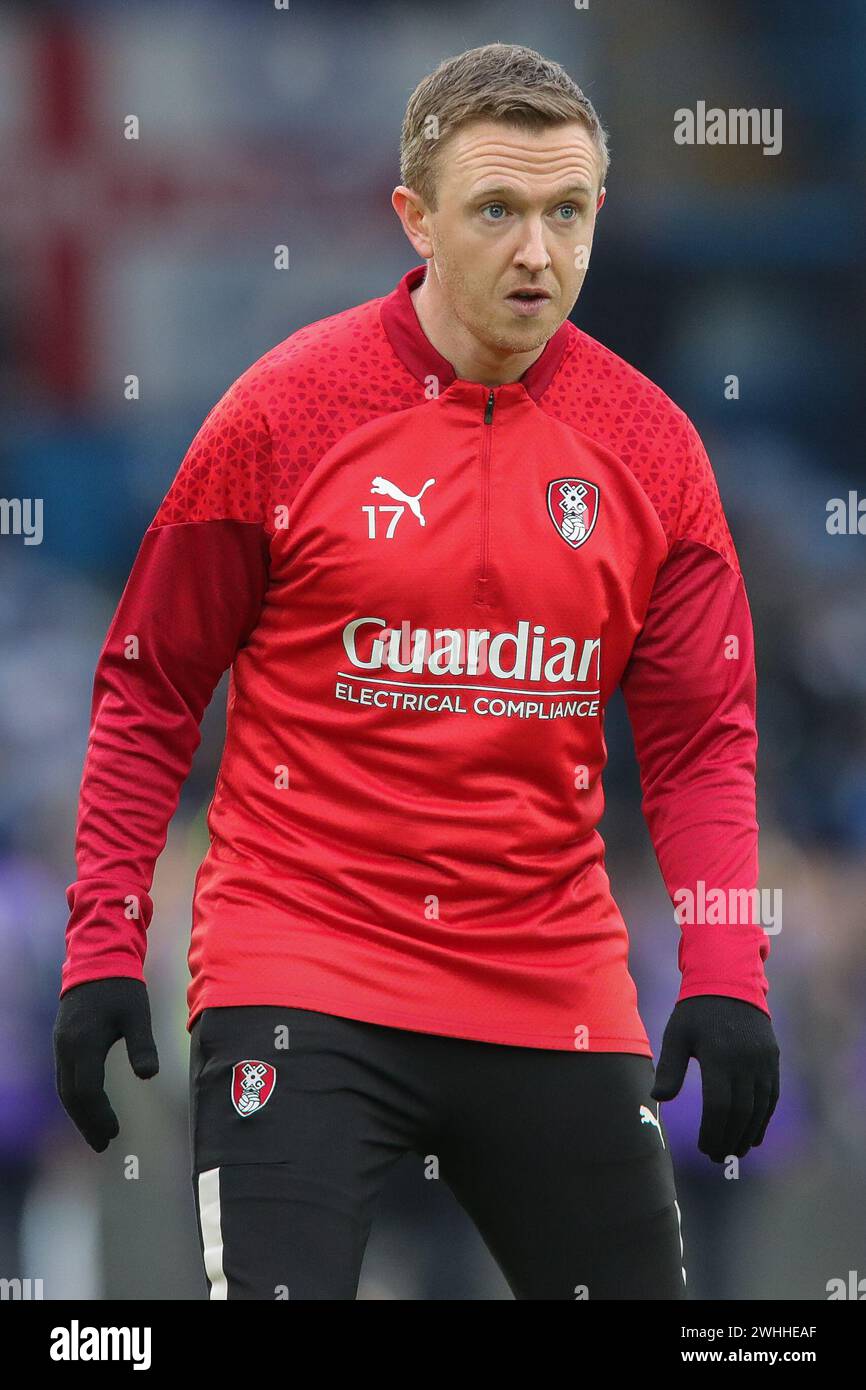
(680, 1226)
(211, 1230)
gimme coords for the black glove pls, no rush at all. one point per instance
(738, 1055)
(90, 1019)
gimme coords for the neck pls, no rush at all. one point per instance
(472, 360)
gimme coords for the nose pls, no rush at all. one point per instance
(532, 254)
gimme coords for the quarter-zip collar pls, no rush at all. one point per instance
(417, 353)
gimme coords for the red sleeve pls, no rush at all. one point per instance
(690, 693)
(192, 599)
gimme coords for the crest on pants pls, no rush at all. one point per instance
(252, 1086)
(573, 507)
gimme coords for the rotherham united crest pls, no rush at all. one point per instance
(252, 1085)
(573, 507)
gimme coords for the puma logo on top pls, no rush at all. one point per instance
(382, 485)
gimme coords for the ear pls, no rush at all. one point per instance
(410, 210)
(601, 197)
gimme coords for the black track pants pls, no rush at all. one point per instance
(559, 1158)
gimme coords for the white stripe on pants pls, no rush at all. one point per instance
(211, 1231)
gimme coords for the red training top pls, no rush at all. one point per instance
(427, 590)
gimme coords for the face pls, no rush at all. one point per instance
(516, 210)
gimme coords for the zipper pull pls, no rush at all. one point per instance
(488, 412)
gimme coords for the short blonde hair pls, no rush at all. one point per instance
(496, 82)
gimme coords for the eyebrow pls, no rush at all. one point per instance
(500, 190)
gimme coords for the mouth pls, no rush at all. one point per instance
(528, 301)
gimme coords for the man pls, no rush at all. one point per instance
(430, 536)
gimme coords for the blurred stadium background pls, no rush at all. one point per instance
(155, 257)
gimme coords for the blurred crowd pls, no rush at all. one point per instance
(710, 264)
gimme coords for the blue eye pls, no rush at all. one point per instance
(492, 216)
